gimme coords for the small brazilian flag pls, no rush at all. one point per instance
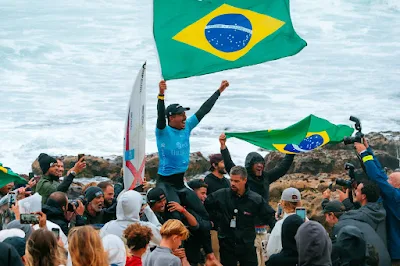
(197, 37)
(310, 133)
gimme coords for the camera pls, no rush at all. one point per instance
(75, 203)
(348, 183)
(358, 136)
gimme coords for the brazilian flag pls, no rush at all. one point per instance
(310, 133)
(197, 37)
(8, 176)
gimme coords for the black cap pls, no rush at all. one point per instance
(155, 194)
(174, 109)
(334, 206)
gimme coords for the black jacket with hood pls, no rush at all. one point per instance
(369, 219)
(289, 255)
(314, 245)
(260, 185)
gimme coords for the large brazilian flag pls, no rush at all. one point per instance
(306, 135)
(197, 37)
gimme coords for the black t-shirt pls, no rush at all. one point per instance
(214, 183)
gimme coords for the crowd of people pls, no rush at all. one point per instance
(217, 220)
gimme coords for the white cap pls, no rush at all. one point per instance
(291, 194)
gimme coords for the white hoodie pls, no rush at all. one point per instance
(128, 209)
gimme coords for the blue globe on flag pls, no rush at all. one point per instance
(308, 144)
(229, 32)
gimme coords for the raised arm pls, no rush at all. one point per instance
(78, 167)
(281, 169)
(161, 119)
(225, 153)
(208, 105)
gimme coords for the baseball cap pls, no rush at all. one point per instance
(176, 108)
(215, 159)
(155, 194)
(334, 206)
(291, 194)
(196, 184)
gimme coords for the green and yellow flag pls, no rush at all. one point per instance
(197, 37)
(8, 176)
(310, 133)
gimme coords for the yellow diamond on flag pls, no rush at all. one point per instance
(4, 170)
(229, 32)
(312, 141)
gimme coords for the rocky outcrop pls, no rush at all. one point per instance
(111, 167)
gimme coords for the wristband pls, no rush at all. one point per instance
(160, 97)
(184, 210)
(367, 158)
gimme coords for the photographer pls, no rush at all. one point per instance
(390, 192)
(59, 211)
(343, 198)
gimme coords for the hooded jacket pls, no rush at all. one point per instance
(115, 249)
(128, 209)
(374, 214)
(289, 255)
(314, 245)
(9, 256)
(351, 248)
(363, 221)
(260, 185)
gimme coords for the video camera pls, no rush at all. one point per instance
(358, 136)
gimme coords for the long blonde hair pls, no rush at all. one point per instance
(85, 247)
(42, 249)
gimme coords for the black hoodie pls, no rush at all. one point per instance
(289, 255)
(260, 185)
(9, 255)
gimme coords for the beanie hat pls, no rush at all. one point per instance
(93, 192)
(45, 162)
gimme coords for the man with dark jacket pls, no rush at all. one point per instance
(372, 212)
(259, 180)
(94, 212)
(49, 183)
(56, 209)
(390, 193)
(238, 208)
(110, 202)
(216, 181)
(368, 219)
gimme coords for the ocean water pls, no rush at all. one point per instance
(67, 67)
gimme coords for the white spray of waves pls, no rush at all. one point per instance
(66, 70)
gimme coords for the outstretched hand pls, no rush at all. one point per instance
(224, 85)
(162, 86)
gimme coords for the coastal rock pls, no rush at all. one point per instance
(111, 167)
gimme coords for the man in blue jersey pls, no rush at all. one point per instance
(174, 147)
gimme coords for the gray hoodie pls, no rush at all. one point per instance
(374, 214)
(314, 245)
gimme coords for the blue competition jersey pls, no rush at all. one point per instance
(174, 147)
